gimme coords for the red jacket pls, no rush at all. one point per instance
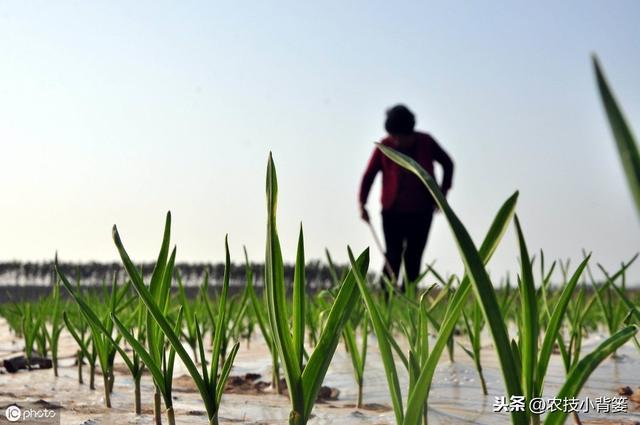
(401, 189)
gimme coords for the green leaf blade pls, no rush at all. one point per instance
(625, 142)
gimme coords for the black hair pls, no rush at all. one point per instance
(400, 120)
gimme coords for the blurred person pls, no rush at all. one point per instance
(407, 205)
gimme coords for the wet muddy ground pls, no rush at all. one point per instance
(455, 397)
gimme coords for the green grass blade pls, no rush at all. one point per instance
(601, 302)
(579, 374)
(630, 305)
(258, 307)
(363, 348)
(379, 327)
(454, 308)
(168, 370)
(339, 314)
(298, 301)
(350, 341)
(98, 331)
(555, 323)
(481, 283)
(158, 270)
(189, 316)
(165, 286)
(200, 348)
(394, 344)
(226, 369)
(627, 147)
(332, 268)
(162, 322)
(154, 369)
(74, 333)
(220, 324)
(154, 337)
(423, 331)
(529, 317)
(276, 296)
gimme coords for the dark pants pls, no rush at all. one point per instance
(406, 232)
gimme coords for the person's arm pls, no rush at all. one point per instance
(442, 158)
(375, 165)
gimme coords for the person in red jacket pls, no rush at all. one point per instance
(407, 205)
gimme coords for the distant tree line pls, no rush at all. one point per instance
(95, 273)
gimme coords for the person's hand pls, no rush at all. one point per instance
(364, 214)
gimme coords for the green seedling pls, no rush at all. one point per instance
(78, 331)
(474, 328)
(303, 380)
(263, 322)
(101, 329)
(522, 367)
(210, 382)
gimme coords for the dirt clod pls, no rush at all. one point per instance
(328, 393)
(15, 364)
(626, 391)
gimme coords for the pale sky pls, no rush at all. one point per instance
(115, 112)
